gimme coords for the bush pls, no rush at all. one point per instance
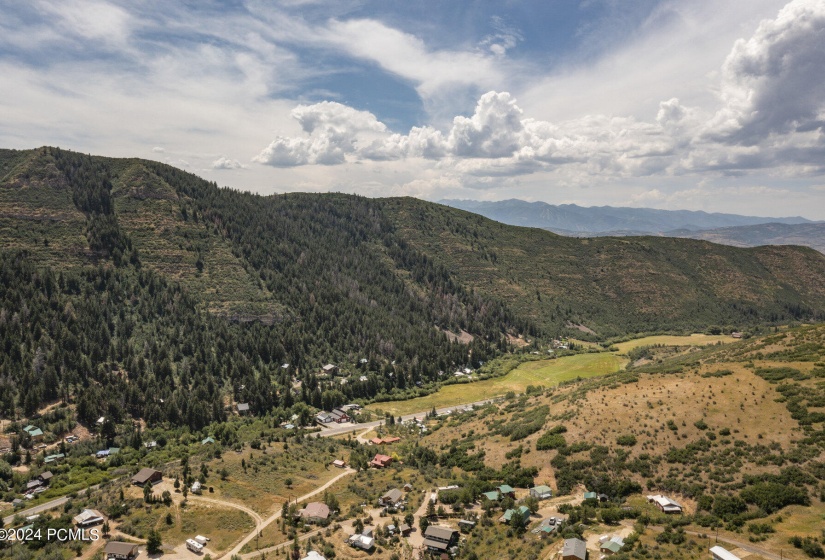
(550, 441)
(628, 440)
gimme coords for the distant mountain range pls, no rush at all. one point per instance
(599, 221)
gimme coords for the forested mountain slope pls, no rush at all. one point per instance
(147, 285)
(617, 285)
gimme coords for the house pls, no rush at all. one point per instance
(719, 553)
(147, 476)
(408, 487)
(507, 490)
(243, 409)
(524, 511)
(330, 369)
(574, 549)
(339, 416)
(492, 495)
(665, 504)
(54, 458)
(611, 546)
(380, 461)
(591, 496)
(312, 555)
(88, 518)
(391, 498)
(45, 477)
(315, 512)
(116, 550)
(391, 439)
(35, 433)
(465, 525)
(32, 484)
(405, 529)
(207, 440)
(440, 539)
(339, 463)
(361, 541)
(324, 417)
(541, 492)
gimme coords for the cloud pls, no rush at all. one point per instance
(225, 163)
(334, 131)
(774, 82)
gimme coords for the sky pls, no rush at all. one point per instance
(715, 105)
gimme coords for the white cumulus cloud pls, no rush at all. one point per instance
(224, 162)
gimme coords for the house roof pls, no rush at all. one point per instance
(404, 528)
(144, 475)
(524, 510)
(208, 439)
(720, 552)
(33, 431)
(87, 515)
(393, 495)
(435, 544)
(312, 555)
(243, 407)
(574, 547)
(506, 489)
(590, 496)
(492, 495)
(316, 509)
(439, 532)
(382, 458)
(612, 546)
(46, 475)
(542, 489)
(120, 548)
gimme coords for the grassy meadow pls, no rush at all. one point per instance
(540, 372)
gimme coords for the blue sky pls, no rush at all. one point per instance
(712, 105)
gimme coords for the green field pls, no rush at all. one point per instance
(673, 340)
(543, 372)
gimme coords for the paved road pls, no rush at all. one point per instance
(45, 506)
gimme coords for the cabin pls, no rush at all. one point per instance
(45, 477)
(88, 518)
(492, 495)
(243, 409)
(381, 461)
(405, 529)
(116, 550)
(665, 504)
(35, 433)
(147, 476)
(339, 464)
(611, 546)
(507, 490)
(361, 541)
(440, 539)
(312, 555)
(574, 549)
(541, 492)
(391, 497)
(315, 512)
(56, 458)
(523, 511)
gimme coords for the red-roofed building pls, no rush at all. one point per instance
(381, 461)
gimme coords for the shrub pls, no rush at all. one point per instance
(628, 440)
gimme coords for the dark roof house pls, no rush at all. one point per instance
(147, 475)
